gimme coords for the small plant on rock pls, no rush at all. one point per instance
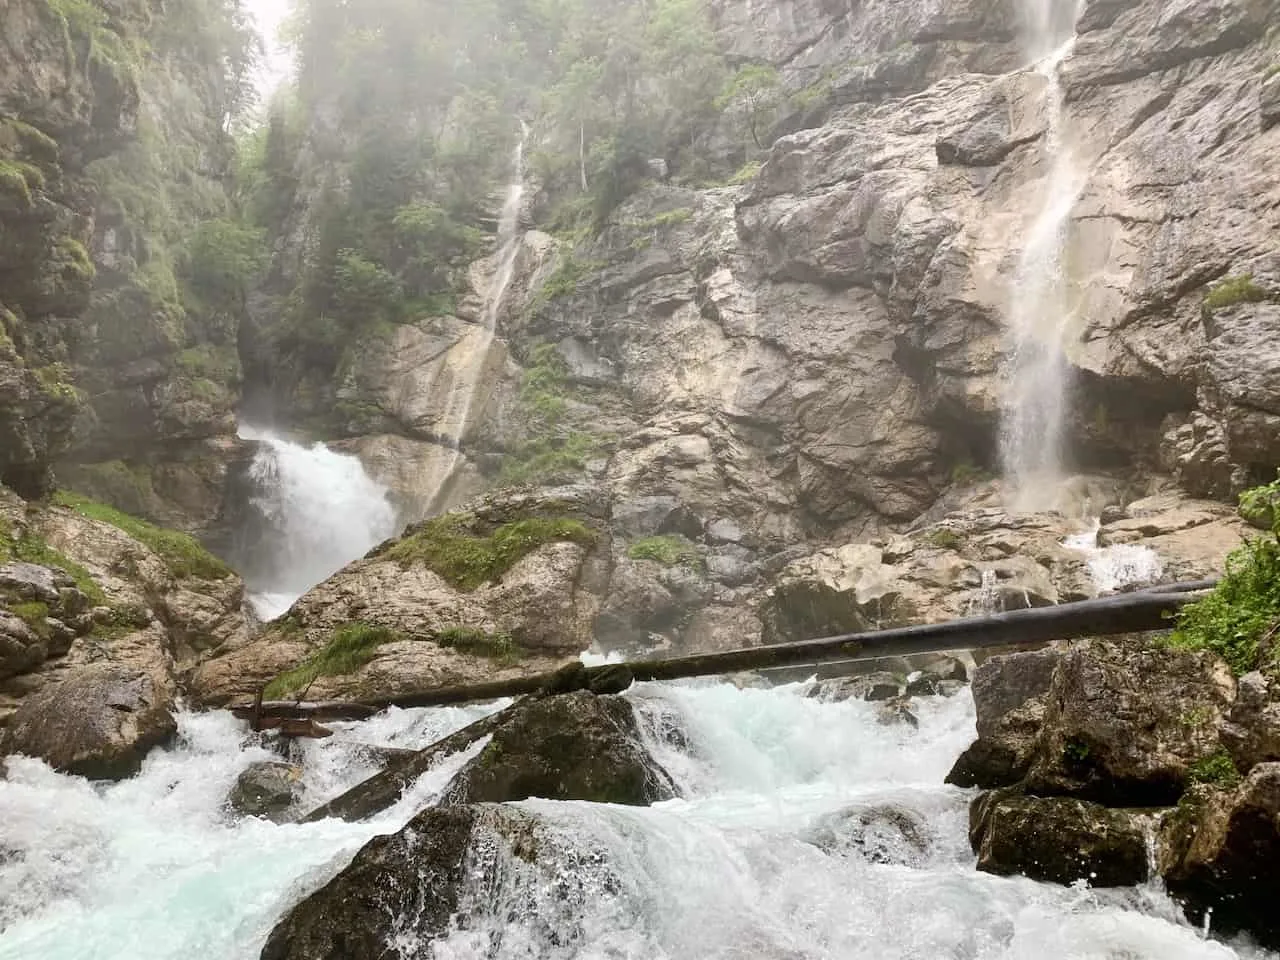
(668, 550)
(1217, 768)
(1231, 291)
(349, 649)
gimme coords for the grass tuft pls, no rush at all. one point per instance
(669, 550)
(349, 649)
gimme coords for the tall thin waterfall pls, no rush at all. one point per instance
(1031, 441)
(318, 511)
(474, 348)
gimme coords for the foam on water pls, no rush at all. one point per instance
(1118, 565)
(153, 867)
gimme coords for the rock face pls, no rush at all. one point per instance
(1058, 840)
(265, 790)
(100, 722)
(1217, 852)
(576, 746)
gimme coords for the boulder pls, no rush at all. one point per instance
(265, 789)
(1009, 695)
(1057, 839)
(879, 834)
(1218, 851)
(20, 648)
(100, 722)
(577, 746)
(1125, 722)
(1251, 734)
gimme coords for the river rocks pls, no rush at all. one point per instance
(99, 722)
(1010, 694)
(574, 746)
(879, 834)
(1124, 724)
(1058, 840)
(266, 789)
(1218, 852)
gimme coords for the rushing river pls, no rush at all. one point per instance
(154, 868)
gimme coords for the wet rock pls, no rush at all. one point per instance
(568, 679)
(876, 687)
(897, 712)
(1057, 839)
(20, 648)
(1125, 722)
(99, 722)
(879, 834)
(614, 678)
(1218, 851)
(1251, 734)
(576, 746)
(266, 789)
(1009, 694)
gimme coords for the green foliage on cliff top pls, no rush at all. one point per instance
(1239, 620)
(349, 648)
(181, 553)
(669, 550)
(452, 546)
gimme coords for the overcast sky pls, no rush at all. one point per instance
(269, 14)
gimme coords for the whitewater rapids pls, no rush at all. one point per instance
(155, 869)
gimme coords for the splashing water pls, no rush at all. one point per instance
(322, 511)
(751, 862)
(1039, 377)
(1116, 566)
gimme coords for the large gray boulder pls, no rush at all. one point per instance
(100, 722)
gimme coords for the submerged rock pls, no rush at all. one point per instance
(1219, 849)
(1057, 839)
(576, 746)
(880, 834)
(266, 789)
(100, 722)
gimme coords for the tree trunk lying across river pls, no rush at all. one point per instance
(1137, 612)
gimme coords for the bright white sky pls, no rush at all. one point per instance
(269, 14)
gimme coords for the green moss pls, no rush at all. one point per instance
(669, 218)
(20, 139)
(18, 179)
(181, 553)
(85, 21)
(564, 280)
(480, 643)
(34, 614)
(1218, 768)
(29, 548)
(1241, 611)
(746, 173)
(349, 648)
(944, 538)
(669, 550)
(547, 458)
(55, 380)
(966, 473)
(451, 546)
(1233, 290)
(219, 364)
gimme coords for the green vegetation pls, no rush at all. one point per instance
(181, 553)
(87, 22)
(1233, 290)
(1075, 751)
(564, 280)
(966, 473)
(454, 547)
(349, 648)
(753, 96)
(669, 550)
(746, 173)
(30, 548)
(546, 458)
(1217, 768)
(499, 646)
(1259, 506)
(1240, 618)
(944, 538)
(18, 179)
(34, 614)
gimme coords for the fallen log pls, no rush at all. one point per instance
(1136, 612)
(383, 789)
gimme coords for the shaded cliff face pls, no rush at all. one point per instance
(120, 279)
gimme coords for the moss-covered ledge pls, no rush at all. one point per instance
(468, 552)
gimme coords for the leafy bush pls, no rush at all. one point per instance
(1243, 611)
(668, 550)
(223, 260)
(364, 290)
(1218, 768)
(450, 546)
(180, 552)
(1259, 506)
(349, 648)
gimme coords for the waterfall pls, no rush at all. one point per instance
(472, 352)
(1116, 566)
(318, 510)
(806, 829)
(1038, 379)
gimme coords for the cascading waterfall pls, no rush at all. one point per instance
(752, 861)
(474, 348)
(319, 511)
(1038, 381)
(1117, 565)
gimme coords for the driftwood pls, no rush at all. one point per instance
(383, 789)
(1126, 613)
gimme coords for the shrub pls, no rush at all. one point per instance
(1217, 768)
(450, 546)
(349, 648)
(944, 538)
(668, 550)
(1259, 505)
(1233, 290)
(181, 553)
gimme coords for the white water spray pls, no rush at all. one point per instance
(1031, 442)
(321, 511)
(1116, 566)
